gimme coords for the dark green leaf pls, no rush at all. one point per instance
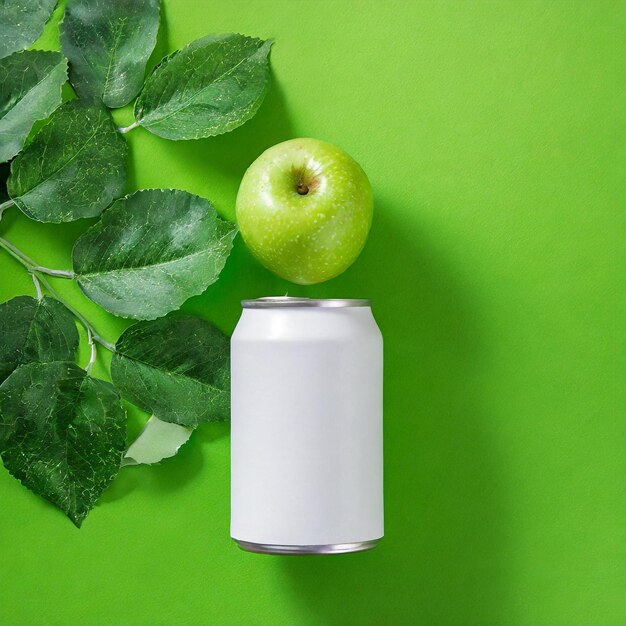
(108, 43)
(207, 88)
(30, 90)
(61, 434)
(5, 170)
(176, 368)
(33, 330)
(151, 251)
(74, 167)
(22, 22)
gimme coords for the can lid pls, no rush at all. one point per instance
(277, 302)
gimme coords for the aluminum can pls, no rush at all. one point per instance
(306, 427)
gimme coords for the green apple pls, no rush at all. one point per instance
(304, 209)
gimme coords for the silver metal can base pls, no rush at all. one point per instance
(331, 548)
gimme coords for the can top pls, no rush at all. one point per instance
(276, 302)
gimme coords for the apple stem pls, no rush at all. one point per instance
(302, 189)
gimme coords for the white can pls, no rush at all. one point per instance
(306, 432)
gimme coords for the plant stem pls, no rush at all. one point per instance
(4, 206)
(92, 356)
(78, 315)
(126, 129)
(37, 286)
(30, 264)
(35, 270)
(57, 273)
(17, 254)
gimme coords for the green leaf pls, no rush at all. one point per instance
(157, 441)
(74, 167)
(22, 23)
(108, 43)
(176, 368)
(30, 90)
(207, 88)
(61, 434)
(5, 170)
(151, 251)
(33, 330)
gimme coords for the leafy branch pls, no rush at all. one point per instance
(39, 281)
(62, 431)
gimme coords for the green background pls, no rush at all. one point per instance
(493, 133)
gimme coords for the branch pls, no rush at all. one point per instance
(36, 271)
(57, 273)
(126, 129)
(37, 286)
(78, 315)
(4, 206)
(92, 356)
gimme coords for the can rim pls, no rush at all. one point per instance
(278, 302)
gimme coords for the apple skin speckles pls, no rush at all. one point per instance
(304, 209)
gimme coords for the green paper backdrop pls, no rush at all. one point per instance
(493, 133)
